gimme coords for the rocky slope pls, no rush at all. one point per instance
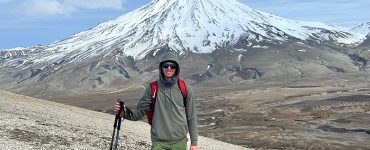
(29, 123)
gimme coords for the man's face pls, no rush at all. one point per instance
(169, 69)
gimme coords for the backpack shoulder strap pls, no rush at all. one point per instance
(154, 88)
(182, 87)
(150, 112)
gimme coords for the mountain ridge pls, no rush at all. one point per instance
(363, 28)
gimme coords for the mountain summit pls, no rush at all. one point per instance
(190, 26)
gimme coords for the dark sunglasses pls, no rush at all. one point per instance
(172, 66)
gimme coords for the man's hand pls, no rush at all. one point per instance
(193, 147)
(117, 110)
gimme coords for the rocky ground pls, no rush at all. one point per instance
(330, 114)
(293, 97)
(327, 113)
(29, 123)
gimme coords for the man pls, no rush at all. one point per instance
(172, 115)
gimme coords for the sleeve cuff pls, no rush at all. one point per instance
(195, 143)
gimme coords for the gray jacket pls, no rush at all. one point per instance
(171, 119)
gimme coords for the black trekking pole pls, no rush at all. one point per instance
(118, 120)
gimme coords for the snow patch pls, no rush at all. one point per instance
(17, 49)
(240, 56)
(259, 46)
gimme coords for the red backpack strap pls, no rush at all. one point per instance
(154, 87)
(150, 112)
(182, 87)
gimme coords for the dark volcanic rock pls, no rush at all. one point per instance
(361, 62)
(249, 73)
(35, 72)
(201, 77)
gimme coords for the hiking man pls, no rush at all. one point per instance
(173, 113)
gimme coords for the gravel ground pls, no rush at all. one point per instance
(29, 123)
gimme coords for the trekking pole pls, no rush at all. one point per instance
(118, 118)
(114, 130)
(121, 103)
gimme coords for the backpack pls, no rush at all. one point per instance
(154, 87)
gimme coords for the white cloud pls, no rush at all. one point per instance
(94, 4)
(43, 8)
(62, 7)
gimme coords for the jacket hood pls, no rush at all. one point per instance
(172, 58)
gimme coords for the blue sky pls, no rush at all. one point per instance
(25, 23)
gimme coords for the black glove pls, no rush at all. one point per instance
(127, 113)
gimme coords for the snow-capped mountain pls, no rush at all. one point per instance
(110, 51)
(189, 25)
(363, 28)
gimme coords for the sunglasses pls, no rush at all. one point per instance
(172, 66)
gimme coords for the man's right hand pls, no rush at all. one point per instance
(117, 109)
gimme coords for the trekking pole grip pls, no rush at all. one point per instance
(121, 104)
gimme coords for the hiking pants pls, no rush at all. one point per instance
(180, 145)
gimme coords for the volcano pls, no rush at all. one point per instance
(124, 51)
